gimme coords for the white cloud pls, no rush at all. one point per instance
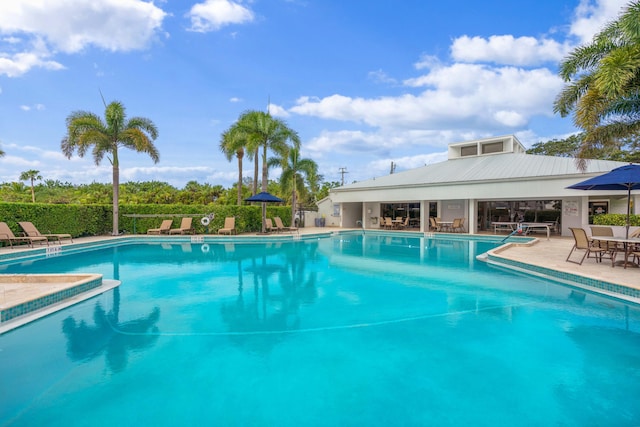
(386, 144)
(17, 64)
(72, 25)
(591, 16)
(380, 76)
(37, 107)
(215, 14)
(467, 94)
(506, 49)
(277, 111)
(36, 29)
(427, 61)
(407, 162)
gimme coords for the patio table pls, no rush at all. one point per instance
(444, 225)
(627, 244)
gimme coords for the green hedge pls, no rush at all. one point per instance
(95, 220)
(615, 219)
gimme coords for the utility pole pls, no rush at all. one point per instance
(342, 172)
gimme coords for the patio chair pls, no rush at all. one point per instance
(433, 225)
(6, 235)
(582, 242)
(229, 226)
(280, 226)
(603, 231)
(458, 225)
(268, 225)
(404, 224)
(31, 231)
(388, 223)
(164, 227)
(186, 227)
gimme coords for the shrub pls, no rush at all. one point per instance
(94, 220)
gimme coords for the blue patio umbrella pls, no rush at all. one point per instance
(623, 178)
(264, 198)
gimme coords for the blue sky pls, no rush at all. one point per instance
(364, 83)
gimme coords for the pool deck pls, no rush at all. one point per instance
(552, 254)
(542, 253)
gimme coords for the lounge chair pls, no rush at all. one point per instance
(164, 227)
(433, 225)
(6, 235)
(229, 226)
(280, 226)
(186, 227)
(268, 225)
(32, 231)
(583, 242)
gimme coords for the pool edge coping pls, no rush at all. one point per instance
(599, 286)
(18, 321)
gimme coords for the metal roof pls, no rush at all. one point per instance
(494, 167)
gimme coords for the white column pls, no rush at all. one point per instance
(472, 214)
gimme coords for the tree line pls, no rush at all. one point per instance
(147, 192)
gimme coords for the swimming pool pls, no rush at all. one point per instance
(344, 330)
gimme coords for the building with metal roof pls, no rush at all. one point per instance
(485, 181)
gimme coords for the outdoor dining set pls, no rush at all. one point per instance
(603, 244)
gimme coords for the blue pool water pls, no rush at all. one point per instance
(349, 330)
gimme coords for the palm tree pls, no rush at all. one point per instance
(233, 141)
(294, 173)
(603, 89)
(86, 130)
(268, 133)
(31, 175)
(263, 131)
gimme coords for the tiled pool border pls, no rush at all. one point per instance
(91, 282)
(599, 286)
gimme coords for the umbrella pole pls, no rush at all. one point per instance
(264, 218)
(628, 209)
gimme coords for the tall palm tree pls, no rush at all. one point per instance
(31, 175)
(86, 130)
(295, 171)
(267, 133)
(232, 143)
(263, 131)
(603, 89)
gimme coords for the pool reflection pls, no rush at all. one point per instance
(110, 336)
(280, 284)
